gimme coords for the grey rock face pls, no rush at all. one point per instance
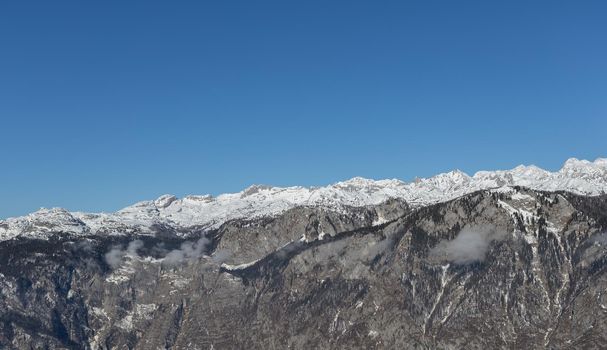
(494, 269)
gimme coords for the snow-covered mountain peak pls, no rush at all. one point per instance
(530, 171)
(361, 183)
(355, 182)
(256, 189)
(582, 168)
(578, 176)
(454, 176)
(165, 200)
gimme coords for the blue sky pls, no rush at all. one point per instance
(106, 103)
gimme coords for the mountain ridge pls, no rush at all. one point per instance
(208, 212)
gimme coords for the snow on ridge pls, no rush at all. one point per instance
(578, 176)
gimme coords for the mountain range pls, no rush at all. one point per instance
(208, 212)
(498, 260)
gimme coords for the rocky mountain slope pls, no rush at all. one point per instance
(506, 259)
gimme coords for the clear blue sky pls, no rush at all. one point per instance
(104, 103)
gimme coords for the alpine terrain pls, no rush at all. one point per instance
(512, 259)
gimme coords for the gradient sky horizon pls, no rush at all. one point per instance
(103, 104)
